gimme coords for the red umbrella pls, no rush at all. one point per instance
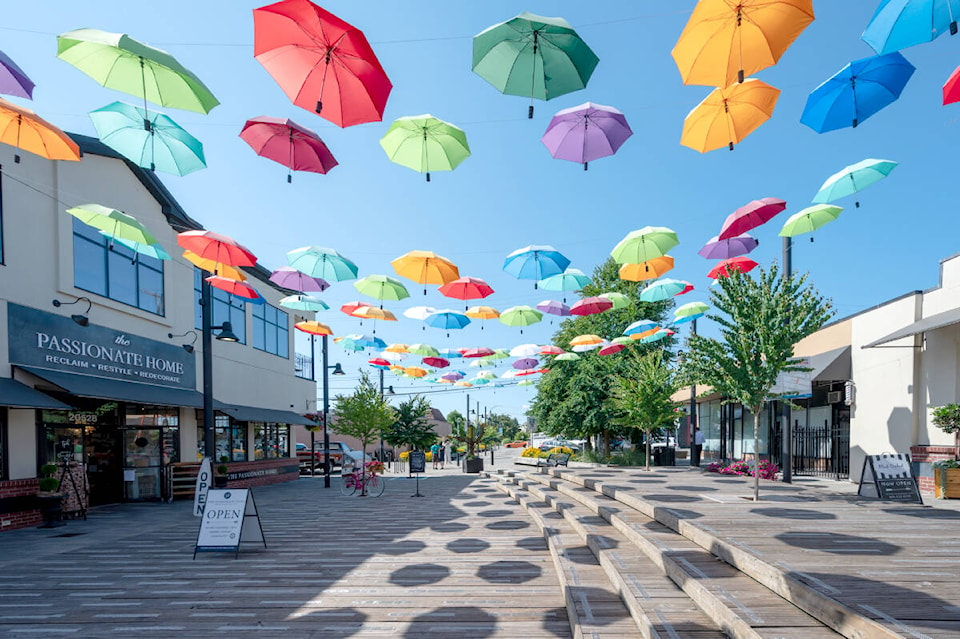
(951, 88)
(240, 289)
(436, 362)
(750, 216)
(550, 349)
(466, 288)
(218, 248)
(725, 267)
(352, 307)
(322, 63)
(482, 351)
(591, 306)
(378, 361)
(611, 349)
(287, 143)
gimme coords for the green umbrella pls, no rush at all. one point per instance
(116, 224)
(533, 56)
(381, 287)
(623, 340)
(425, 143)
(645, 244)
(119, 62)
(520, 316)
(499, 353)
(810, 219)
(424, 350)
(693, 308)
(568, 357)
(619, 300)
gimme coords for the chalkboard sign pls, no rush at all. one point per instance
(889, 477)
(418, 461)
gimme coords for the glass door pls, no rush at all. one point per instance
(142, 464)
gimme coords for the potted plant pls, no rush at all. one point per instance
(49, 496)
(946, 474)
(220, 478)
(473, 464)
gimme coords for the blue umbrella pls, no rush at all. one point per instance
(447, 319)
(535, 263)
(367, 341)
(325, 263)
(664, 289)
(450, 353)
(853, 179)
(640, 326)
(152, 141)
(856, 92)
(898, 24)
(571, 279)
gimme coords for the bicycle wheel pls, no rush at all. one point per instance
(375, 485)
(348, 484)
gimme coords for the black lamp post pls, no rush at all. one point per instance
(337, 370)
(226, 335)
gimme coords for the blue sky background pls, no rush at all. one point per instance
(511, 193)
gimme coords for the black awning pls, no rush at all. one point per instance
(254, 414)
(103, 388)
(17, 395)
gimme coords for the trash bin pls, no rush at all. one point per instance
(665, 456)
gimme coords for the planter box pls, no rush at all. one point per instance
(473, 465)
(947, 483)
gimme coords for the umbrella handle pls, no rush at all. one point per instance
(428, 176)
(530, 112)
(586, 165)
(953, 28)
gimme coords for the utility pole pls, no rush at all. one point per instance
(786, 428)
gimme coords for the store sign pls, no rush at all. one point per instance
(229, 518)
(889, 477)
(50, 341)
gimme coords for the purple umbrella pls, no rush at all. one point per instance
(586, 133)
(553, 307)
(717, 249)
(452, 376)
(526, 363)
(13, 81)
(289, 277)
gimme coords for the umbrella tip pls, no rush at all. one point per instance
(586, 165)
(855, 123)
(530, 112)
(428, 176)
(289, 178)
(16, 158)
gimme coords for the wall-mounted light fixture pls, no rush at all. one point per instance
(186, 347)
(79, 318)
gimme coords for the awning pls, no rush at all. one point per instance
(254, 414)
(17, 395)
(831, 366)
(104, 388)
(940, 320)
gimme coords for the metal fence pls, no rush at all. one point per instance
(822, 451)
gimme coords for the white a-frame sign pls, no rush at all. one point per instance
(229, 518)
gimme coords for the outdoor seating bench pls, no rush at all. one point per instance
(556, 459)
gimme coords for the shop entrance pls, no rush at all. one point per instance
(142, 464)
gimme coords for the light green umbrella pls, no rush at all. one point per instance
(568, 357)
(533, 56)
(381, 287)
(499, 353)
(619, 300)
(689, 312)
(623, 339)
(520, 316)
(423, 350)
(304, 303)
(810, 219)
(645, 244)
(425, 143)
(119, 62)
(114, 223)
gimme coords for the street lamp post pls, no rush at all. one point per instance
(226, 335)
(786, 430)
(337, 370)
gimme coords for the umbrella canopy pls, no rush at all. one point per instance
(13, 80)
(689, 312)
(352, 307)
(450, 353)
(423, 350)
(611, 349)
(119, 62)
(155, 250)
(235, 288)
(381, 287)
(313, 328)
(368, 341)
(379, 363)
(289, 277)
(750, 216)
(664, 289)
(567, 357)
(480, 351)
(853, 179)
(728, 115)
(415, 371)
(326, 263)
(553, 307)
(533, 56)
(717, 249)
(116, 224)
(659, 335)
(216, 247)
(572, 279)
(725, 267)
(524, 350)
(857, 91)
(374, 313)
(898, 24)
(487, 375)
(419, 312)
(526, 363)
(304, 303)
(425, 267)
(586, 340)
(436, 361)
(212, 266)
(397, 348)
(640, 326)
(651, 269)
(26, 130)
(466, 288)
(550, 349)
(644, 244)
(591, 306)
(447, 319)
(586, 133)
(425, 143)
(520, 316)
(288, 143)
(453, 376)
(951, 88)
(618, 300)
(322, 63)
(150, 140)
(482, 312)
(724, 41)
(535, 262)
(810, 219)
(621, 340)
(393, 356)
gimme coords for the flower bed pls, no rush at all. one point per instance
(768, 470)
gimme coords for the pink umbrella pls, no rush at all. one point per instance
(591, 306)
(287, 143)
(289, 277)
(526, 363)
(553, 307)
(750, 216)
(481, 351)
(550, 349)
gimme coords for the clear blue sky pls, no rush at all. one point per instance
(511, 193)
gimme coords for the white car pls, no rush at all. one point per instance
(547, 444)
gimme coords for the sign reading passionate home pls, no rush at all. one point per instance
(889, 477)
(50, 341)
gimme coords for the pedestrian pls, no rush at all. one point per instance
(697, 447)
(447, 453)
(435, 454)
(443, 456)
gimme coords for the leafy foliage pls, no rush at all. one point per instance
(456, 419)
(947, 418)
(364, 414)
(411, 427)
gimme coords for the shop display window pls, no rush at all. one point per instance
(272, 441)
(231, 438)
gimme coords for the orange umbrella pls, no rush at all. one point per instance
(240, 289)
(26, 130)
(728, 115)
(415, 371)
(482, 312)
(651, 269)
(425, 267)
(313, 328)
(586, 340)
(397, 348)
(374, 313)
(215, 267)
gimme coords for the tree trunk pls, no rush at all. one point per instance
(646, 441)
(606, 442)
(956, 445)
(756, 454)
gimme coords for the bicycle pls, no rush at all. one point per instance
(368, 480)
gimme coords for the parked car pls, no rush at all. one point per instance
(547, 444)
(522, 444)
(338, 450)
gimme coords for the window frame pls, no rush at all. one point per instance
(262, 323)
(237, 315)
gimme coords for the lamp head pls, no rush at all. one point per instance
(226, 333)
(390, 390)
(79, 318)
(337, 369)
(186, 347)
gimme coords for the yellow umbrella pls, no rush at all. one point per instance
(586, 340)
(425, 267)
(482, 313)
(26, 130)
(726, 40)
(415, 371)
(649, 270)
(728, 115)
(212, 266)
(374, 313)
(314, 328)
(397, 348)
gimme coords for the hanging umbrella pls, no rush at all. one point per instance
(535, 263)
(212, 266)
(533, 56)
(591, 306)
(618, 300)
(317, 261)
(725, 267)
(526, 382)
(24, 129)
(572, 279)
(415, 371)
(466, 288)
(723, 41)
(352, 307)
(235, 288)
(450, 353)
(482, 312)
(583, 348)
(664, 289)
(855, 92)
(419, 312)
(313, 328)
(810, 219)
(499, 353)
(553, 307)
(397, 348)
(374, 313)
(853, 179)
(425, 267)
(487, 375)
(588, 339)
(304, 303)
(640, 326)
(611, 349)
(480, 351)
(119, 62)
(623, 339)
(526, 363)
(423, 350)
(322, 63)
(524, 350)
(289, 277)
(453, 376)
(13, 80)
(898, 24)
(750, 216)
(567, 357)
(644, 244)
(425, 143)
(369, 341)
(436, 361)
(656, 337)
(520, 316)
(550, 349)
(156, 251)
(349, 343)
(116, 223)
(393, 356)
(447, 320)
(951, 88)
(586, 133)
(689, 312)
(728, 115)
(288, 143)
(216, 247)
(717, 249)
(649, 270)
(379, 363)
(381, 287)
(149, 140)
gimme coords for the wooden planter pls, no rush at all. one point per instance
(947, 482)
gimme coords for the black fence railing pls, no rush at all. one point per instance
(822, 451)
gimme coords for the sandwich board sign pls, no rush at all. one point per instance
(229, 518)
(889, 477)
(204, 479)
(418, 464)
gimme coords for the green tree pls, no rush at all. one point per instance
(456, 419)
(640, 398)
(760, 318)
(505, 424)
(411, 427)
(364, 414)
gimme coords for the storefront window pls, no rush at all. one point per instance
(163, 417)
(226, 308)
(270, 332)
(231, 438)
(4, 471)
(272, 440)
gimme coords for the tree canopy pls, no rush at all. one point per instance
(411, 427)
(364, 414)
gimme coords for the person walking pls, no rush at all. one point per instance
(697, 447)
(435, 454)
(442, 455)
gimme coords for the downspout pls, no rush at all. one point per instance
(919, 394)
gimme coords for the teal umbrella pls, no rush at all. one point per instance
(572, 279)
(325, 263)
(304, 303)
(533, 56)
(664, 289)
(152, 141)
(853, 179)
(154, 250)
(810, 219)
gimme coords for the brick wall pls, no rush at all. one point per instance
(17, 518)
(923, 458)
